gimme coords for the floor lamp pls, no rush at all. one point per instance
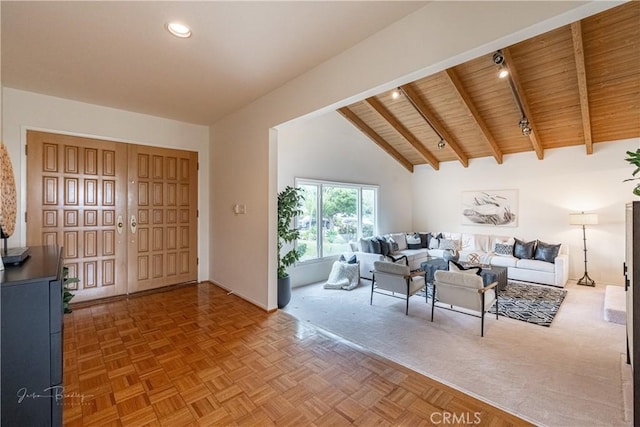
(584, 219)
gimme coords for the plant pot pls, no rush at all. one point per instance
(284, 291)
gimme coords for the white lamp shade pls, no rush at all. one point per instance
(583, 219)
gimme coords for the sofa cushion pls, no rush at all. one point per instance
(504, 261)
(400, 239)
(524, 250)
(533, 264)
(546, 252)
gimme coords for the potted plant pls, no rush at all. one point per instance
(289, 201)
(633, 157)
(67, 295)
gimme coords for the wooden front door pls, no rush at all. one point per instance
(121, 231)
(163, 200)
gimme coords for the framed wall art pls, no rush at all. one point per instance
(490, 207)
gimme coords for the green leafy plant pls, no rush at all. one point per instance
(289, 201)
(66, 291)
(633, 157)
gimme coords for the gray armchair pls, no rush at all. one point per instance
(396, 281)
(464, 290)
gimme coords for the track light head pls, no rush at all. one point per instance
(498, 58)
(441, 144)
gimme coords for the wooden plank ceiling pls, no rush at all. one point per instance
(576, 85)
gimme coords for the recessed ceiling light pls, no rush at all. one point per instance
(395, 94)
(179, 30)
(503, 73)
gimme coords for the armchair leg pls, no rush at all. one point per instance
(482, 318)
(433, 300)
(373, 280)
(406, 311)
(497, 307)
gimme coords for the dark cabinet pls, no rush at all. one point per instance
(632, 286)
(31, 340)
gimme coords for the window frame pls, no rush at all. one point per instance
(320, 184)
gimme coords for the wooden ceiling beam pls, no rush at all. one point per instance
(412, 96)
(364, 128)
(513, 73)
(578, 53)
(466, 99)
(377, 106)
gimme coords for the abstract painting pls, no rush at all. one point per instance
(490, 207)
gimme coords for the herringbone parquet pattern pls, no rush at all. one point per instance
(197, 356)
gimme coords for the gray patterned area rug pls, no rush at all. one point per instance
(537, 304)
(530, 303)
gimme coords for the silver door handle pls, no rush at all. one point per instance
(134, 224)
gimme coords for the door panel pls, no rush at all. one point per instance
(125, 214)
(76, 188)
(163, 206)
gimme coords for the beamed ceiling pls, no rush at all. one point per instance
(577, 85)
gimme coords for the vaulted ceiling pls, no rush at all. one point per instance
(576, 85)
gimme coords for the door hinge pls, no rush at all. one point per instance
(198, 166)
(25, 217)
(197, 213)
(197, 260)
(25, 149)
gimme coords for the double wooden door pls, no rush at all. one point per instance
(125, 214)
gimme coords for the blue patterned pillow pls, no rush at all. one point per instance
(503, 249)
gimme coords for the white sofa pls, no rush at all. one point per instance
(554, 273)
(411, 257)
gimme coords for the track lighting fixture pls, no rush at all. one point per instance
(524, 126)
(395, 94)
(441, 144)
(503, 73)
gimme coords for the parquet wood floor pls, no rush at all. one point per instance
(198, 356)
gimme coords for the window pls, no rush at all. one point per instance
(334, 214)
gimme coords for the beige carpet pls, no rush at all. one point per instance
(568, 374)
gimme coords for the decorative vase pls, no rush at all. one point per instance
(284, 291)
(450, 255)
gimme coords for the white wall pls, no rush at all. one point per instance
(243, 159)
(26, 110)
(567, 180)
(330, 148)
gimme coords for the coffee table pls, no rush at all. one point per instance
(489, 273)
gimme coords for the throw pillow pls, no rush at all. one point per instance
(524, 250)
(401, 240)
(385, 247)
(351, 260)
(503, 249)
(424, 240)
(434, 241)
(365, 245)
(454, 266)
(393, 245)
(413, 241)
(546, 252)
(375, 246)
(448, 244)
